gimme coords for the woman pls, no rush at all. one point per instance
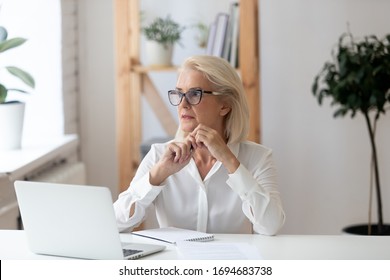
(209, 178)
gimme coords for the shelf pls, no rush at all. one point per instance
(147, 69)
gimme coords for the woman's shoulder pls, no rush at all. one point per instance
(254, 147)
(253, 154)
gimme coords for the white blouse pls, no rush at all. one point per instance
(246, 201)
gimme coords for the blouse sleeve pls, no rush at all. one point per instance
(257, 189)
(140, 192)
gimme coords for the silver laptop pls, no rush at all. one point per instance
(73, 221)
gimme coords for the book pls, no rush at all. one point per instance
(210, 40)
(233, 54)
(173, 234)
(221, 24)
(229, 31)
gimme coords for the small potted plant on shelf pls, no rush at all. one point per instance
(161, 36)
(202, 34)
(12, 112)
(358, 80)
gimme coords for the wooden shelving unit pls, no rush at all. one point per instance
(132, 81)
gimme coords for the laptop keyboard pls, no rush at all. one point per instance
(129, 252)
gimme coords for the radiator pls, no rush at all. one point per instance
(64, 173)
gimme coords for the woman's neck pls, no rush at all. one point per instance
(204, 161)
(203, 156)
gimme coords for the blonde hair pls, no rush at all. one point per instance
(227, 82)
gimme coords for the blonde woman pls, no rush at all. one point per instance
(209, 178)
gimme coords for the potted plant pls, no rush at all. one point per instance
(161, 35)
(12, 112)
(201, 36)
(358, 80)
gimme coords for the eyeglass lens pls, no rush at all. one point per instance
(193, 97)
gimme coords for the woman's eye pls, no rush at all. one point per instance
(194, 93)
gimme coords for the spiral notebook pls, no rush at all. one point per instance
(173, 234)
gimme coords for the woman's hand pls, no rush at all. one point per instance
(176, 156)
(206, 137)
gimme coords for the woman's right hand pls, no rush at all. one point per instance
(176, 156)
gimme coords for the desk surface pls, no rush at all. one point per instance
(13, 245)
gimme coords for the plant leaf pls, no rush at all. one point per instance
(11, 43)
(359, 78)
(21, 74)
(18, 90)
(3, 93)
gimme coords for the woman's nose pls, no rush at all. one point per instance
(184, 103)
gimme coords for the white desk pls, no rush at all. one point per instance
(13, 245)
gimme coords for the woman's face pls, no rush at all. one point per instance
(210, 111)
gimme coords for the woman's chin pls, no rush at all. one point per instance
(188, 128)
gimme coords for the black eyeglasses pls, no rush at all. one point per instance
(193, 96)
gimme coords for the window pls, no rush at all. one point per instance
(38, 21)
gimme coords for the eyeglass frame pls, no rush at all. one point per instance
(184, 94)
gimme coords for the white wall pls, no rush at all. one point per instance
(323, 162)
(97, 89)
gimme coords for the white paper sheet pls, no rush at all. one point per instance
(217, 251)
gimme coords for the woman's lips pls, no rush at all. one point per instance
(187, 117)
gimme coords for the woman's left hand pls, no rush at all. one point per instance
(204, 136)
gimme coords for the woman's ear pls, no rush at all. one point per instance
(225, 109)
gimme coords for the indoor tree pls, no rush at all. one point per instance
(358, 80)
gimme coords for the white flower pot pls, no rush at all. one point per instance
(12, 118)
(158, 54)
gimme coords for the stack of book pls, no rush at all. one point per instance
(223, 35)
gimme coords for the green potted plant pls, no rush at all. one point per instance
(161, 35)
(358, 80)
(12, 112)
(201, 36)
